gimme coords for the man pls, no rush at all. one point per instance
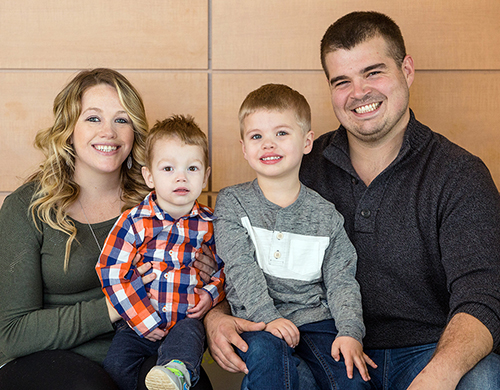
(422, 213)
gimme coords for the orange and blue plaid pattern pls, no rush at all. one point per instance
(170, 246)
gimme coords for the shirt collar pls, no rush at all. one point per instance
(149, 208)
(415, 138)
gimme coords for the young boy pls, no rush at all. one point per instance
(288, 260)
(166, 229)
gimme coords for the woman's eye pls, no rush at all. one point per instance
(93, 119)
(122, 120)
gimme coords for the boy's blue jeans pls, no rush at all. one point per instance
(272, 364)
(184, 342)
(398, 367)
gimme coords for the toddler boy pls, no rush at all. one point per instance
(167, 228)
(288, 260)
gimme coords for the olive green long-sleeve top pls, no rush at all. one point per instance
(42, 307)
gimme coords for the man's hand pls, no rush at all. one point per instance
(464, 342)
(285, 330)
(352, 350)
(203, 305)
(205, 263)
(223, 331)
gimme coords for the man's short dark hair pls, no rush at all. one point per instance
(357, 27)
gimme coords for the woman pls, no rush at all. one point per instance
(55, 324)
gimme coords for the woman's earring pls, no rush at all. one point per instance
(129, 162)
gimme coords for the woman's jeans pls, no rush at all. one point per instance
(272, 364)
(184, 342)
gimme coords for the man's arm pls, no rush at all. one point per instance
(223, 331)
(464, 342)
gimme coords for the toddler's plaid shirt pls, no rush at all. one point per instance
(170, 246)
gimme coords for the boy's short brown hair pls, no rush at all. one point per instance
(277, 97)
(182, 127)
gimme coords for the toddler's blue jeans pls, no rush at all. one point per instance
(184, 342)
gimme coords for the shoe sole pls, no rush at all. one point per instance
(159, 380)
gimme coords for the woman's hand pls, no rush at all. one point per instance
(113, 314)
(205, 263)
(143, 269)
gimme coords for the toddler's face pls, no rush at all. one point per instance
(177, 174)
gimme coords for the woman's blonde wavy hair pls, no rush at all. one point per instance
(56, 189)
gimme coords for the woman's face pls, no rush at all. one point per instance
(103, 136)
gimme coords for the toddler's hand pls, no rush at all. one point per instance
(156, 335)
(352, 350)
(285, 330)
(203, 306)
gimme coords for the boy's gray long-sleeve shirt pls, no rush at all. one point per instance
(294, 262)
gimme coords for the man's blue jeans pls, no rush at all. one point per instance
(272, 364)
(398, 367)
(184, 342)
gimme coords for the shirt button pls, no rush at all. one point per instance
(171, 252)
(279, 236)
(178, 225)
(164, 309)
(354, 180)
(366, 213)
(277, 254)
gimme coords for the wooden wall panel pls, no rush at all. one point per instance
(229, 90)
(463, 106)
(469, 118)
(26, 106)
(55, 34)
(262, 34)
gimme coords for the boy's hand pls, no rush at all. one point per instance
(203, 306)
(285, 330)
(352, 350)
(156, 335)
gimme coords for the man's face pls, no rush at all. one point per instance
(369, 91)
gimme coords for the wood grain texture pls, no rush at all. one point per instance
(124, 34)
(263, 34)
(460, 105)
(26, 106)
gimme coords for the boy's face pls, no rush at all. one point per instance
(177, 174)
(273, 143)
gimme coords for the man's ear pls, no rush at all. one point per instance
(408, 69)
